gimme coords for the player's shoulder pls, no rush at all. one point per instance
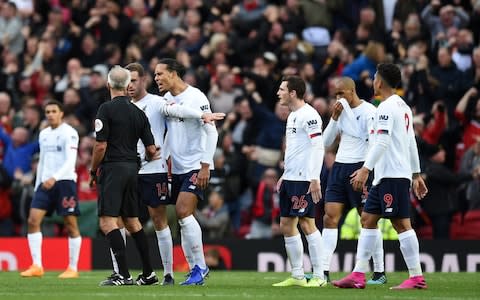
(366, 105)
(309, 112)
(69, 129)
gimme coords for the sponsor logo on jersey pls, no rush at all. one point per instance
(383, 118)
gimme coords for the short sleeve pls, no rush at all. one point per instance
(102, 129)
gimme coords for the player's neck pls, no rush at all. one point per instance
(55, 126)
(385, 94)
(178, 88)
(296, 104)
(356, 102)
(140, 97)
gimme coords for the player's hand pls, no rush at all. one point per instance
(419, 187)
(49, 183)
(203, 176)
(315, 190)
(92, 182)
(337, 110)
(152, 153)
(279, 184)
(211, 117)
(359, 178)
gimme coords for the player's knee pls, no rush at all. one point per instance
(330, 220)
(368, 221)
(33, 222)
(307, 227)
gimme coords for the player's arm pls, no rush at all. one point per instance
(152, 152)
(418, 184)
(38, 178)
(71, 151)
(185, 112)
(317, 152)
(211, 136)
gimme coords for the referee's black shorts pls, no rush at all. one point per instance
(117, 189)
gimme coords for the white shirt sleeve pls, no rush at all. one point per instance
(317, 152)
(211, 143)
(179, 111)
(414, 159)
(330, 133)
(382, 136)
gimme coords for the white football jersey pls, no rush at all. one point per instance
(152, 106)
(58, 154)
(186, 138)
(394, 117)
(304, 128)
(353, 149)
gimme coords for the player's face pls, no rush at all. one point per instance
(136, 86)
(342, 92)
(54, 115)
(163, 78)
(283, 94)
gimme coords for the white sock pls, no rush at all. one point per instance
(315, 249)
(74, 245)
(330, 238)
(378, 259)
(114, 260)
(165, 246)
(294, 247)
(410, 251)
(35, 245)
(365, 248)
(192, 244)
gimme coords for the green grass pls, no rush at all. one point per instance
(230, 285)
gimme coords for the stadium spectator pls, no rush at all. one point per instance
(214, 218)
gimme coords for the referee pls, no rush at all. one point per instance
(119, 125)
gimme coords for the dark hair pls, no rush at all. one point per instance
(173, 66)
(390, 74)
(295, 83)
(136, 67)
(55, 102)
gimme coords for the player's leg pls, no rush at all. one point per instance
(35, 238)
(67, 206)
(165, 242)
(294, 249)
(153, 192)
(366, 241)
(315, 249)
(191, 238)
(378, 276)
(74, 245)
(291, 202)
(333, 212)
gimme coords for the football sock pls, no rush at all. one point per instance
(294, 248)
(165, 246)
(315, 249)
(192, 245)
(74, 245)
(117, 244)
(330, 238)
(35, 245)
(410, 251)
(365, 248)
(142, 245)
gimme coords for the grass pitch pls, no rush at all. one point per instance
(230, 285)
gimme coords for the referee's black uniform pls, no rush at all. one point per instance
(121, 124)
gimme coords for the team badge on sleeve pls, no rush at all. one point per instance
(98, 125)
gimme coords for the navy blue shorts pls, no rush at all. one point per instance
(390, 198)
(339, 188)
(294, 200)
(61, 198)
(153, 189)
(186, 183)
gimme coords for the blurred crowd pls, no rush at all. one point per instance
(236, 51)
